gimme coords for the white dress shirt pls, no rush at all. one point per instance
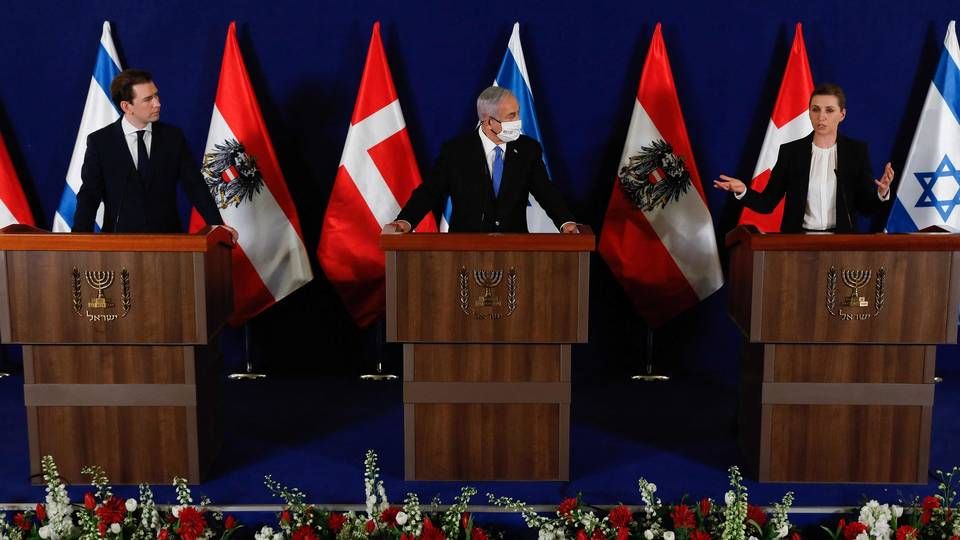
(488, 150)
(820, 212)
(130, 134)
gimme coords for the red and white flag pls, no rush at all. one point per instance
(377, 174)
(13, 203)
(788, 122)
(657, 236)
(244, 177)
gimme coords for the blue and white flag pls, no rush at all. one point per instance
(98, 112)
(929, 192)
(513, 76)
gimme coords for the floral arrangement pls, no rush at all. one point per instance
(105, 516)
(935, 517)
(102, 515)
(705, 520)
(301, 521)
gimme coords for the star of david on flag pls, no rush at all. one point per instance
(929, 190)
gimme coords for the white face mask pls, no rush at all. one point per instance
(509, 131)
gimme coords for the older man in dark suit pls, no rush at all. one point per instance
(489, 174)
(134, 165)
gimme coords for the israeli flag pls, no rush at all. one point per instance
(514, 77)
(98, 112)
(929, 192)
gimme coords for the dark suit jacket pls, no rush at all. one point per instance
(461, 171)
(135, 204)
(791, 178)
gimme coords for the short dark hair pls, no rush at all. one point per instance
(121, 89)
(830, 89)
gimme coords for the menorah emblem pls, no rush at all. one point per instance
(855, 279)
(99, 280)
(489, 281)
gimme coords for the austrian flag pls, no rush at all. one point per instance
(241, 170)
(657, 236)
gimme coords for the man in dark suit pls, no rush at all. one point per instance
(134, 164)
(824, 176)
(489, 174)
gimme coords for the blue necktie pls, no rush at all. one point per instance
(497, 169)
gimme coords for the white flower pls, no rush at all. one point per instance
(401, 518)
(648, 534)
(44, 532)
(266, 533)
(546, 535)
(668, 535)
(278, 536)
(652, 487)
(729, 498)
(176, 511)
(115, 528)
(131, 505)
(897, 511)
(862, 536)
(752, 538)
(783, 531)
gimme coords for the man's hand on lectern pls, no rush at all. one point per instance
(399, 226)
(570, 228)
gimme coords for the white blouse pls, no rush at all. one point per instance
(820, 212)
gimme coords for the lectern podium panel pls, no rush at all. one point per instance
(840, 350)
(121, 365)
(487, 322)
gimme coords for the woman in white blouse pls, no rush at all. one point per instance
(823, 176)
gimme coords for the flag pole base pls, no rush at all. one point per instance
(651, 378)
(378, 377)
(246, 376)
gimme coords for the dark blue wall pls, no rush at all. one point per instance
(305, 59)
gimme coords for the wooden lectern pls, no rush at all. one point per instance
(121, 367)
(841, 332)
(487, 321)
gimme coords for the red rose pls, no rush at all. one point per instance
(163, 534)
(22, 522)
(192, 523)
(406, 536)
(906, 532)
(229, 523)
(926, 516)
(795, 536)
(682, 517)
(305, 532)
(567, 506)
(755, 514)
(478, 534)
(112, 511)
(929, 503)
(620, 516)
(853, 529)
(336, 521)
(581, 534)
(370, 526)
(464, 520)
(41, 512)
(88, 501)
(705, 505)
(285, 516)
(389, 516)
(102, 528)
(623, 534)
(699, 535)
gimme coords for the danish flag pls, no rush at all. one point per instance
(377, 174)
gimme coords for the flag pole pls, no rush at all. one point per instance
(379, 375)
(648, 375)
(249, 374)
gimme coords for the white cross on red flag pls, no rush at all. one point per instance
(377, 174)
